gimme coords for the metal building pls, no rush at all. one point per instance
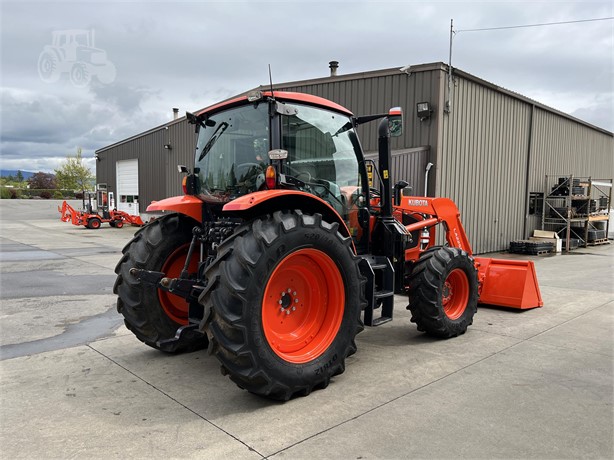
(490, 148)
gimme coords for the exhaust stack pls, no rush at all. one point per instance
(333, 65)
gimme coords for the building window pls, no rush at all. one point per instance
(536, 203)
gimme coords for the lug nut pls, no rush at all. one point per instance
(287, 312)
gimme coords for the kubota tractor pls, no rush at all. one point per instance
(280, 251)
(94, 218)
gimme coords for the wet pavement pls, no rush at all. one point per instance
(74, 383)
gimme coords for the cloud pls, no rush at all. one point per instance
(599, 112)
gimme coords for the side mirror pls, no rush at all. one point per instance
(399, 189)
(395, 121)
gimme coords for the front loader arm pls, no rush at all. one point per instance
(504, 283)
(435, 211)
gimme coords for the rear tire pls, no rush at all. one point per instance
(151, 314)
(94, 223)
(279, 262)
(443, 292)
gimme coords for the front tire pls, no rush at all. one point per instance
(285, 296)
(151, 314)
(80, 75)
(443, 292)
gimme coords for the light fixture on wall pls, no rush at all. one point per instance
(424, 110)
(168, 146)
(97, 157)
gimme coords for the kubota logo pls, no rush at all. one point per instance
(418, 203)
(457, 236)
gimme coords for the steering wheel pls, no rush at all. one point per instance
(297, 174)
(304, 173)
(246, 167)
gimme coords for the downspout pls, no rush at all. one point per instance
(426, 178)
(526, 183)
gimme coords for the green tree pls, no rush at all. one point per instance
(73, 174)
(19, 176)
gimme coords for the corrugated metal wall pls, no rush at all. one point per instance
(407, 165)
(482, 166)
(562, 147)
(182, 137)
(498, 147)
(158, 176)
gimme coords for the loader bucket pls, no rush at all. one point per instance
(508, 283)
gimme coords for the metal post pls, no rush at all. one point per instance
(449, 101)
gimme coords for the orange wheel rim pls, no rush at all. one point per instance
(303, 306)
(174, 306)
(455, 294)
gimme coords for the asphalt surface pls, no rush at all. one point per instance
(74, 383)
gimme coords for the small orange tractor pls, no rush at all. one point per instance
(94, 219)
(280, 251)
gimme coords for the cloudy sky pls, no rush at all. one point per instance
(167, 54)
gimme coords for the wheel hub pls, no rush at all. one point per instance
(455, 294)
(287, 301)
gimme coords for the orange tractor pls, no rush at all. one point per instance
(94, 219)
(280, 251)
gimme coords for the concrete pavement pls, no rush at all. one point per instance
(76, 384)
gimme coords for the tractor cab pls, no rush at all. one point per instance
(263, 144)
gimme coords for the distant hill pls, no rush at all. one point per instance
(13, 172)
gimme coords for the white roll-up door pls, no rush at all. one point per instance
(128, 186)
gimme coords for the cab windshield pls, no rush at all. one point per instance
(232, 152)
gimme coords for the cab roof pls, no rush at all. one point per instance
(285, 96)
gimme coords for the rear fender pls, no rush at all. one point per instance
(268, 201)
(189, 205)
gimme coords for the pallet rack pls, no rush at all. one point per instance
(578, 206)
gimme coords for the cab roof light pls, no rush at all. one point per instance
(254, 96)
